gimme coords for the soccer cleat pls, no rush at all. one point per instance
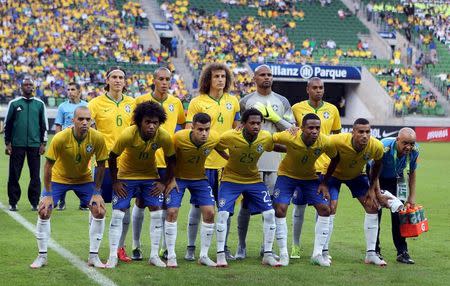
(326, 256)
(122, 254)
(405, 258)
(205, 260)
(40, 261)
(136, 254)
(241, 253)
(295, 252)
(13, 208)
(163, 253)
(270, 260)
(94, 261)
(228, 254)
(373, 258)
(61, 205)
(155, 260)
(319, 260)
(172, 262)
(112, 262)
(284, 260)
(261, 253)
(190, 253)
(221, 260)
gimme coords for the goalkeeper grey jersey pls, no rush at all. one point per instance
(269, 161)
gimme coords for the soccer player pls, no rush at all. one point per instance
(112, 113)
(330, 123)
(192, 147)
(214, 99)
(399, 171)
(355, 150)
(136, 175)
(67, 168)
(277, 117)
(297, 171)
(175, 117)
(241, 176)
(64, 119)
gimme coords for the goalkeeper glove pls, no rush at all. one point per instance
(271, 114)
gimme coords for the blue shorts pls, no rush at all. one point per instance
(106, 185)
(213, 178)
(201, 193)
(359, 186)
(285, 187)
(257, 195)
(83, 191)
(139, 189)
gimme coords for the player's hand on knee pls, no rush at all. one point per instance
(119, 189)
(170, 187)
(371, 200)
(158, 188)
(97, 205)
(323, 189)
(45, 206)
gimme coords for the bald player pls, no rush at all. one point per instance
(277, 113)
(330, 124)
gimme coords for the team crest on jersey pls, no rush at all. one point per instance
(276, 193)
(115, 199)
(128, 108)
(171, 108)
(206, 151)
(154, 146)
(222, 203)
(89, 148)
(317, 151)
(326, 115)
(168, 200)
(229, 106)
(259, 148)
(275, 107)
(366, 156)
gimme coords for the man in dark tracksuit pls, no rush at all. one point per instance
(25, 135)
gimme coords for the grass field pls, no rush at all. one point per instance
(70, 229)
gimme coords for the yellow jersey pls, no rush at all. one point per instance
(352, 163)
(223, 113)
(137, 157)
(330, 121)
(299, 162)
(242, 166)
(72, 157)
(175, 115)
(190, 157)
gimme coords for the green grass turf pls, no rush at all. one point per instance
(70, 229)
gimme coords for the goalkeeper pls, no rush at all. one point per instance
(277, 113)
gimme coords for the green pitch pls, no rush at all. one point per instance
(70, 229)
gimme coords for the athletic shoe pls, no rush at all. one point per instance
(83, 208)
(205, 260)
(319, 260)
(295, 252)
(34, 208)
(284, 260)
(221, 260)
(373, 258)
(112, 262)
(137, 254)
(155, 260)
(228, 254)
(261, 253)
(163, 253)
(41, 260)
(13, 208)
(94, 261)
(326, 256)
(190, 253)
(269, 260)
(241, 253)
(122, 254)
(172, 262)
(380, 255)
(61, 205)
(405, 258)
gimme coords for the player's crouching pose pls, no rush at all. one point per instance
(192, 147)
(136, 175)
(241, 176)
(67, 168)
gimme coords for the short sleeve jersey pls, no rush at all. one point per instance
(65, 113)
(394, 167)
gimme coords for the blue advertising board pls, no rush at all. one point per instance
(162, 26)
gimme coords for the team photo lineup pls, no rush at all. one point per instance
(225, 141)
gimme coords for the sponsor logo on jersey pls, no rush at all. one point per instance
(19, 108)
(89, 148)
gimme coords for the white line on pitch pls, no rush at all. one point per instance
(91, 272)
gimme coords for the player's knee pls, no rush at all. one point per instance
(208, 214)
(172, 214)
(269, 216)
(280, 210)
(46, 216)
(323, 210)
(139, 203)
(98, 212)
(333, 207)
(154, 208)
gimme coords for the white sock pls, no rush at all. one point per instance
(269, 228)
(125, 226)
(138, 220)
(243, 220)
(221, 230)
(42, 234)
(321, 234)
(163, 234)
(193, 222)
(170, 230)
(281, 235)
(330, 231)
(298, 215)
(371, 230)
(96, 234)
(206, 234)
(115, 229)
(156, 225)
